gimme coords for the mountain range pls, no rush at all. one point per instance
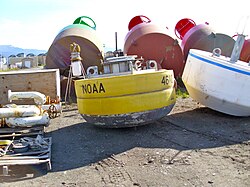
(7, 50)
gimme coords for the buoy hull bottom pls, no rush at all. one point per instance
(128, 120)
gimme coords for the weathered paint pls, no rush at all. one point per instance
(58, 55)
(38, 97)
(28, 121)
(127, 103)
(58, 107)
(153, 42)
(217, 83)
(128, 120)
(19, 111)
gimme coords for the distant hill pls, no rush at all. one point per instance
(7, 50)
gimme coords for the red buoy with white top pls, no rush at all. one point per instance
(202, 37)
(152, 42)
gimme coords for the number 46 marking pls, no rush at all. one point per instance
(165, 80)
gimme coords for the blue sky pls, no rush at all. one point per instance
(35, 23)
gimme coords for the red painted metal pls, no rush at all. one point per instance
(138, 20)
(183, 26)
(193, 36)
(203, 37)
(245, 52)
(152, 42)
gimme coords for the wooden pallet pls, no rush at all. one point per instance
(6, 132)
(27, 158)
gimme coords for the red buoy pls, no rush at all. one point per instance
(152, 42)
(137, 20)
(183, 26)
(245, 52)
(202, 37)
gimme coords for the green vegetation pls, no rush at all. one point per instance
(41, 65)
(181, 89)
(182, 93)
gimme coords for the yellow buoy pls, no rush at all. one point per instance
(125, 98)
(125, 94)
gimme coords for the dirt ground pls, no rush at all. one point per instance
(192, 146)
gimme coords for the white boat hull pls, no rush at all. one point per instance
(217, 83)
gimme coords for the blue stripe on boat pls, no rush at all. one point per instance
(220, 65)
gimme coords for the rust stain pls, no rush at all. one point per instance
(29, 86)
(17, 113)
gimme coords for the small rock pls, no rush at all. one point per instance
(136, 184)
(210, 182)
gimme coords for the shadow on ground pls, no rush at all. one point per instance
(82, 144)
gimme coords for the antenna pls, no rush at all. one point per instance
(116, 48)
(245, 24)
(242, 24)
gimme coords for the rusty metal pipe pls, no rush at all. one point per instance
(19, 111)
(28, 121)
(58, 107)
(38, 97)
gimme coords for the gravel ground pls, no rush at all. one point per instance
(192, 146)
